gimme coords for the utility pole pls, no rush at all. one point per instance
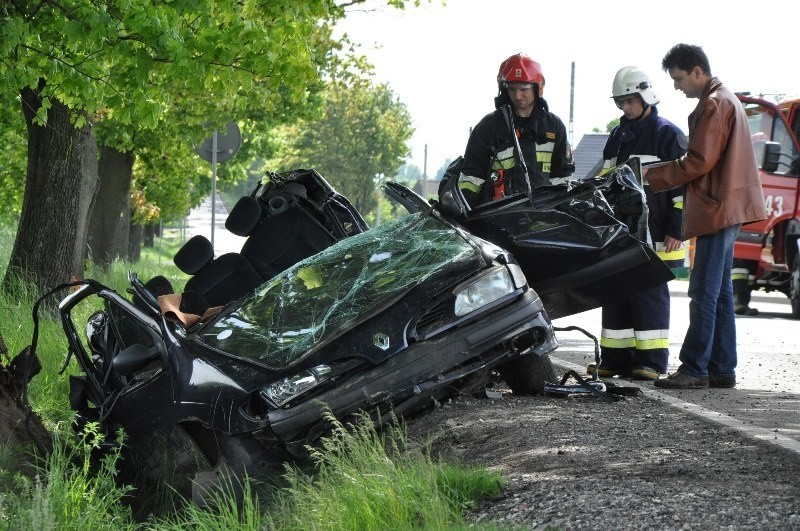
(425, 173)
(571, 102)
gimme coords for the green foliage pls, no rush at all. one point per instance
(73, 490)
(151, 76)
(90, 54)
(13, 150)
(224, 511)
(408, 173)
(361, 133)
(611, 125)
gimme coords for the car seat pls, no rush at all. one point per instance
(280, 232)
(220, 280)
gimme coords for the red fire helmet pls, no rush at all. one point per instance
(520, 68)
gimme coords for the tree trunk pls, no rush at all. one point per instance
(135, 242)
(59, 189)
(122, 240)
(150, 233)
(110, 212)
(89, 186)
(21, 430)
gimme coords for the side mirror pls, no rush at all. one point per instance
(772, 155)
(134, 358)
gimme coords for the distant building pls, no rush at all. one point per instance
(588, 155)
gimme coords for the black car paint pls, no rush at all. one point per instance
(434, 363)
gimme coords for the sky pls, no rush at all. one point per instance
(442, 60)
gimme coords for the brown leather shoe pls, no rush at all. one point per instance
(679, 380)
(724, 382)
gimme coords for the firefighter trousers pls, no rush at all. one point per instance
(635, 332)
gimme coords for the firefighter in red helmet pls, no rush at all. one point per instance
(521, 122)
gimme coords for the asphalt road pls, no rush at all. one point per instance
(199, 222)
(766, 401)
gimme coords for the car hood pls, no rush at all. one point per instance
(319, 299)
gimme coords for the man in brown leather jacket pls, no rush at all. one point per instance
(723, 191)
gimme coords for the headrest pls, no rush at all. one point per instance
(244, 216)
(159, 285)
(196, 253)
(278, 202)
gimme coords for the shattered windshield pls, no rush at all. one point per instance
(330, 292)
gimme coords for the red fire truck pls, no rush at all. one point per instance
(770, 249)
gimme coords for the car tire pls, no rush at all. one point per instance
(526, 375)
(161, 468)
(794, 287)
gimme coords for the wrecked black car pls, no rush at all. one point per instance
(318, 312)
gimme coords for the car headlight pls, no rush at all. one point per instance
(485, 290)
(283, 391)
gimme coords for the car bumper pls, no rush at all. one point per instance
(425, 368)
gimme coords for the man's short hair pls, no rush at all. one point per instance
(685, 57)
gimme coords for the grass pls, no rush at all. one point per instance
(70, 491)
(361, 478)
(367, 479)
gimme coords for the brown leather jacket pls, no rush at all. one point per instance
(723, 187)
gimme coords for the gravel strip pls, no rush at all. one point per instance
(582, 463)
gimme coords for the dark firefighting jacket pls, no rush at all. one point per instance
(491, 168)
(652, 139)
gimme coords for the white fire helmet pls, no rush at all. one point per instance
(633, 80)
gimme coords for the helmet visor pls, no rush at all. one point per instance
(517, 86)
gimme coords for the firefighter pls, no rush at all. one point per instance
(521, 120)
(634, 340)
(743, 279)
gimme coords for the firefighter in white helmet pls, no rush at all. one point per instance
(634, 339)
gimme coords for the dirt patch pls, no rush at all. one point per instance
(581, 463)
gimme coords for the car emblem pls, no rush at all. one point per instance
(381, 341)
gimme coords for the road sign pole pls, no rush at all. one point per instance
(213, 184)
(219, 148)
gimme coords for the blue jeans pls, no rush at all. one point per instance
(710, 342)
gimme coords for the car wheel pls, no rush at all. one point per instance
(527, 374)
(794, 287)
(241, 458)
(161, 468)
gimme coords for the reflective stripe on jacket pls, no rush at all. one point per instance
(491, 147)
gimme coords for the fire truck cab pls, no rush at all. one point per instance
(769, 251)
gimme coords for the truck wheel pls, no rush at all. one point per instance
(794, 287)
(527, 374)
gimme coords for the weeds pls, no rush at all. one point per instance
(72, 491)
(369, 480)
